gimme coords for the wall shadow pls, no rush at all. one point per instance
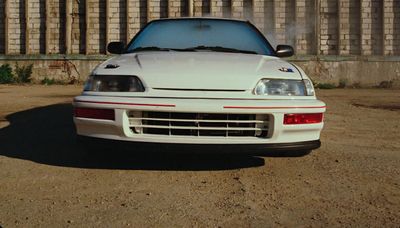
(46, 135)
(82, 26)
(102, 26)
(396, 28)
(269, 21)
(309, 30)
(290, 22)
(62, 29)
(330, 20)
(122, 21)
(354, 27)
(377, 8)
(143, 13)
(163, 8)
(227, 8)
(22, 27)
(248, 10)
(42, 30)
(184, 8)
(2, 27)
(205, 8)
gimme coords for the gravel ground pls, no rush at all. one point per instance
(47, 180)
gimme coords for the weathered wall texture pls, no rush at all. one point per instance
(313, 27)
(2, 41)
(356, 71)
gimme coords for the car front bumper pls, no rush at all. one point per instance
(273, 149)
(279, 136)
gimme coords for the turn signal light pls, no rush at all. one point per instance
(307, 118)
(95, 113)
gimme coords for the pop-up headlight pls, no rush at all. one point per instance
(113, 83)
(283, 87)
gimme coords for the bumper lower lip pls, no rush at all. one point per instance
(253, 149)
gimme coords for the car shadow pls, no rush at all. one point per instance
(46, 135)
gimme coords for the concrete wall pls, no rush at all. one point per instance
(327, 27)
(354, 71)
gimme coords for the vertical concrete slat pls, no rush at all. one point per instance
(361, 38)
(127, 18)
(382, 12)
(237, 9)
(269, 20)
(360, 29)
(232, 7)
(383, 27)
(213, 5)
(170, 11)
(47, 29)
(363, 31)
(6, 22)
(248, 10)
(68, 27)
(303, 25)
(197, 8)
(387, 43)
(258, 14)
(318, 27)
(210, 7)
(279, 23)
(27, 28)
(190, 8)
(107, 38)
(215, 9)
(87, 30)
(275, 13)
(339, 23)
(295, 23)
(148, 11)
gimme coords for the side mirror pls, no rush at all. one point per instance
(116, 47)
(284, 51)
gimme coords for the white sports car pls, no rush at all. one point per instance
(201, 81)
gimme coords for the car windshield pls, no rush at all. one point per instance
(201, 35)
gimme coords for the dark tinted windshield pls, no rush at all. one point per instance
(201, 34)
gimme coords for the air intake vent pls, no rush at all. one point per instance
(199, 124)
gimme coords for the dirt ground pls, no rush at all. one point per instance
(47, 180)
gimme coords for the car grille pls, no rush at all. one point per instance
(199, 124)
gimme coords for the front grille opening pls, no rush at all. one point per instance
(199, 124)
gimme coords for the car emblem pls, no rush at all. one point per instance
(112, 66)
(288, 70)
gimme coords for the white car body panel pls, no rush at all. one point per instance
(199, 82)
(199, 70)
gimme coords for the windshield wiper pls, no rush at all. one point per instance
(152, 48)
(155, 48)
(197, 48)
(219, 49)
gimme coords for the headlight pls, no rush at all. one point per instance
(113, 83)
(282, 87)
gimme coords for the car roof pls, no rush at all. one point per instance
(200, 18)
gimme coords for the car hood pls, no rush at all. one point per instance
(198, 70)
